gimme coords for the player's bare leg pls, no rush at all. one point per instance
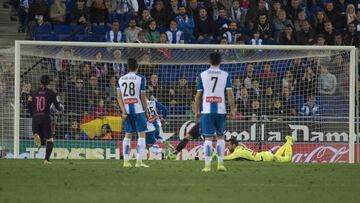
(49, 149)
(126, 150)
(37, 140)
(140, 148)
(207, 154)
(220, 148)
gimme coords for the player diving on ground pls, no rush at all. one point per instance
(239, 151)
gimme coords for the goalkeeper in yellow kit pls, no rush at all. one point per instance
(240, 152)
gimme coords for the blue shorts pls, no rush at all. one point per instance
(212, 124)
(135, 123)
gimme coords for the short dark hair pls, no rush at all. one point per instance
(45, 80)
(215, 58)
(233, 141)
(132, 64)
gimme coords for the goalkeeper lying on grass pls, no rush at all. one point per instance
(240, 152)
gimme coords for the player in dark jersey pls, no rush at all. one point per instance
(192, 133)
(40, 102)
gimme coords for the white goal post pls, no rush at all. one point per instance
(254, 54)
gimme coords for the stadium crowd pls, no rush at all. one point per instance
(263, 91)
(288, 22)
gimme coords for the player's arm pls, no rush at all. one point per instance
(121, 103)
(162, 108)
(231, 98)
(56, 103)
(198, 98)
(144, 97)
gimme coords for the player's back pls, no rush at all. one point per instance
(213, 83)
(41, 101)
(131, 86)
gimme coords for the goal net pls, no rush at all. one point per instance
(304, 92)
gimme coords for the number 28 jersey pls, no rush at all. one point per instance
(212, 83)
(131, 85)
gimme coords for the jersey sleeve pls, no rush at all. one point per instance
(161, 108)
(228, 83)
(143, 84)
(200, 86)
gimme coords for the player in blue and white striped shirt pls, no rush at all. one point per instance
(212, 84)
(132, 99)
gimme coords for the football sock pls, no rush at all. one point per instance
(126, 148)
(181, 145)
(140, 148)
(49, 148)
(220, 145)
(207, 152)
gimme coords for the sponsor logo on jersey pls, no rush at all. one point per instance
(213, 99)
(131, 101)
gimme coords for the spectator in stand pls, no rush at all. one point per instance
(76, 102)
(249, 77)
(117, 67)
(280, 22)
(152, 35)
(267, 100)
(329, 33)
(174, 35)
(23, 13)
(288, 37)
(80, 14)
(164, 52)
(277, 111)
(161, 15)
(180, 94)
(110, 91)
(338, 40)
(100, 69)
(320, 40)
(114, 35)
(319, 22)
(277, 6)
(233, 36)
(237, 13)
(307, 82)
(73, 132)
(350, 14)
(145, 19)
(288, 103)
(301, 17)
(193, 9)
(93, 91)
(243, 103)
(146, 5)
(84, 72)
(351, 38)
(327, 82)
(265, 29)
(222, 21)
(57, 12)
(333, 15)
(132, 31)
(25, 93)
(99, 13)
(174, 8)
(289, 81)
(141, 37)
(237, 88)
(204, 28)
(306, 36)
(155, 89)
(100, 109)
(124, 7)
(267, 78)
(310, 108)
(40, 27)
(255, 92)
(185, 24)
(256, 40)
(341, 6)
(255, 110)
(357, 21)
(253, 14)
(293, 9)
(37, 8)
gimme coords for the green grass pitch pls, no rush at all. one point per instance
(176, 181)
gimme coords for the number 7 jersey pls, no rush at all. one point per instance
(212, 83)
(131, 85)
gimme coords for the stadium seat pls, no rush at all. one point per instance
(100, 30)
(63, 29)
